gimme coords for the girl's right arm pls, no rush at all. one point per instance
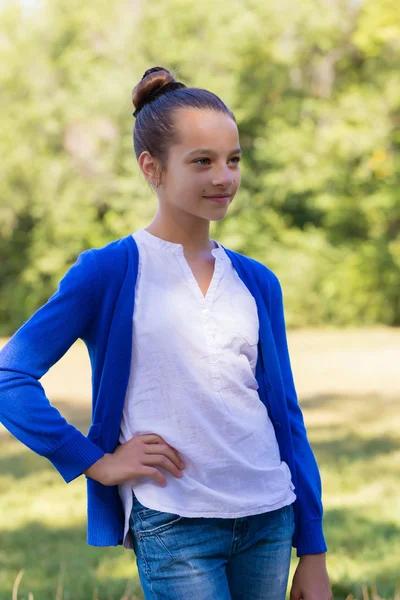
(37, 345)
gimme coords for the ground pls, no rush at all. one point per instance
(349, 389)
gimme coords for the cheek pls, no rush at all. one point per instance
(190, 178)
(190, 185)
(201, 176)
(197, 182)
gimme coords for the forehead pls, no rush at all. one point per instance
(199, 128)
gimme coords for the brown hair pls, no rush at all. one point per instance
(156, 97)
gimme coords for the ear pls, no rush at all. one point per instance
(150, 167)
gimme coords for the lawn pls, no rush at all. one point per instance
(349, 389)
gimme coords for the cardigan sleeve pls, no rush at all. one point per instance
(35, 347)
(310, 537)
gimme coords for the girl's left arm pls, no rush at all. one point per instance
(309, 536)
(311, 579)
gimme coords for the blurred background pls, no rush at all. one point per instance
(315, 88)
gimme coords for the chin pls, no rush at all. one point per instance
(214, 218)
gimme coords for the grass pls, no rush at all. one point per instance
(351, 407)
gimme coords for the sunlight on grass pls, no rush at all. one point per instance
(120, 567)
(41, 497)
(357, 445)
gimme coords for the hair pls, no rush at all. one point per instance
(156, 98)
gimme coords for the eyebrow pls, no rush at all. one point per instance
(210, 151)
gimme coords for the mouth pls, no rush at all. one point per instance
(219, 198)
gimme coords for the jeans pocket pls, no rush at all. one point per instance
(149, 521)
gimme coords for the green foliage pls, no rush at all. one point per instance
(315, 89)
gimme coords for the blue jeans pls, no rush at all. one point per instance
(197, 558)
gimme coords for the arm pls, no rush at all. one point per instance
(310, 537)
(37, 345)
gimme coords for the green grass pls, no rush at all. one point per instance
(356, 441)
(357, 445)
(43, 531)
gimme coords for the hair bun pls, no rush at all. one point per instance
(155, 82)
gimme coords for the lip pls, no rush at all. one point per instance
(220, 199)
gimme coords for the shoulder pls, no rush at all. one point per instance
(112, 258)
(98, 268)
(266, 278)
(116, 249)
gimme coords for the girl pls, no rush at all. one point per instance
(197, 457)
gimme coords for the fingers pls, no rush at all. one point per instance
(155, 452)
(160, 460)
(155, 444)
(155, 474)
(167, 451)
(151, 438)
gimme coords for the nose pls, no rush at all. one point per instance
(223, 176)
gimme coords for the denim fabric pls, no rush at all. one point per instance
(178, 558)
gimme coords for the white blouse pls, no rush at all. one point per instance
(192, 381)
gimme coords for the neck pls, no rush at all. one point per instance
(194, 239)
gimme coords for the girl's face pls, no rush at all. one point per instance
(204, 163)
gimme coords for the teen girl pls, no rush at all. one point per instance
(197, 457)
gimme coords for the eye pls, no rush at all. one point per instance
(236, 158)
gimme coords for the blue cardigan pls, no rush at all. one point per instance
(94, 301)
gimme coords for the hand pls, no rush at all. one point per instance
(138, 457)
(311, 580)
